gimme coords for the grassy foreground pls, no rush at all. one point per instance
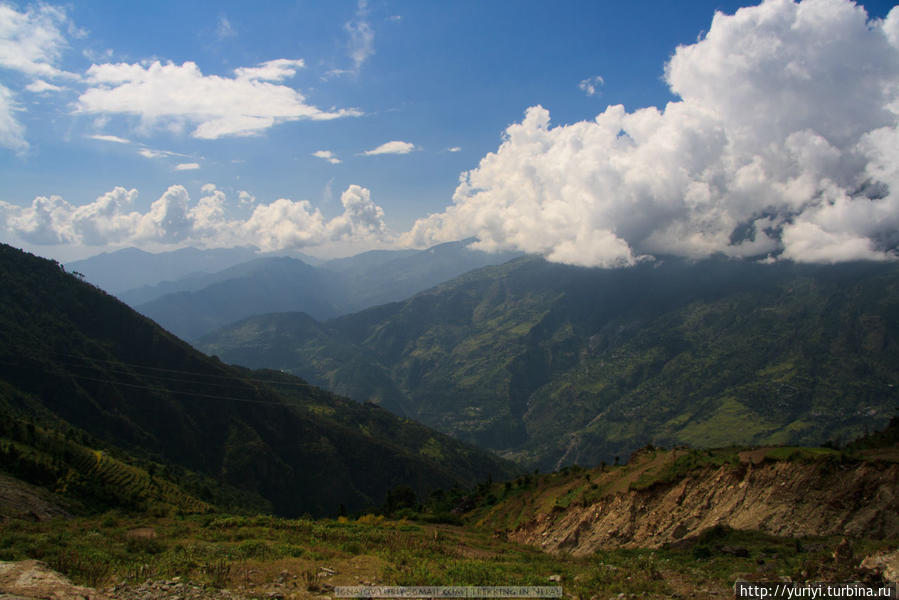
(256, 556)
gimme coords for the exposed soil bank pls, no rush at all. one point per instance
(782, 498)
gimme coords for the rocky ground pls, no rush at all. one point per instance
(18, 500)
(780, 498)
(169, 590)
(32, 579)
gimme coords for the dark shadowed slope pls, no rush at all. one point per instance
(71, 351)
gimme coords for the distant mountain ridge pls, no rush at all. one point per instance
(556, 365)
(131, 267)
(373, 278)
(198, 304)
(72, 354)
(258, 286)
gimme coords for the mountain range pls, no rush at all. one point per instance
(551, 364)
(74, 359)
(129, 268)
(203, 298)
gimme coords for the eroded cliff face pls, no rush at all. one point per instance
(781, 498)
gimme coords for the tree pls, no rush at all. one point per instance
(402, 496)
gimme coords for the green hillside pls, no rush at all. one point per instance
(61, 461)
(73, 356)
(560, 365)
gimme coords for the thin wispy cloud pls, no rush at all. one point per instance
(592, 86)
(272, 70)
(362, 36)
(151, 153)
(98, 56)
(109, 138)
(224, 29)
(31, 42)
(327, 155)
(39, 86)
(12, 133)
(360, 41)
(393, 147)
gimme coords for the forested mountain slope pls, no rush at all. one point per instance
(559, 364)
(71, 354)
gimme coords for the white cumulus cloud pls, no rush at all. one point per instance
(192, 166)
(784, 143)
(361, 217)
(393, 147)
(163, 95)
(246, 198)
(109, 219)
(175, 219)
(52, 220)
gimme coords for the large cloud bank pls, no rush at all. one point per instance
(784, 144)
(174, 219)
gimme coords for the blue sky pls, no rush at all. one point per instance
(230, 114)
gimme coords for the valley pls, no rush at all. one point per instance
(138, 467)
(552, 365)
